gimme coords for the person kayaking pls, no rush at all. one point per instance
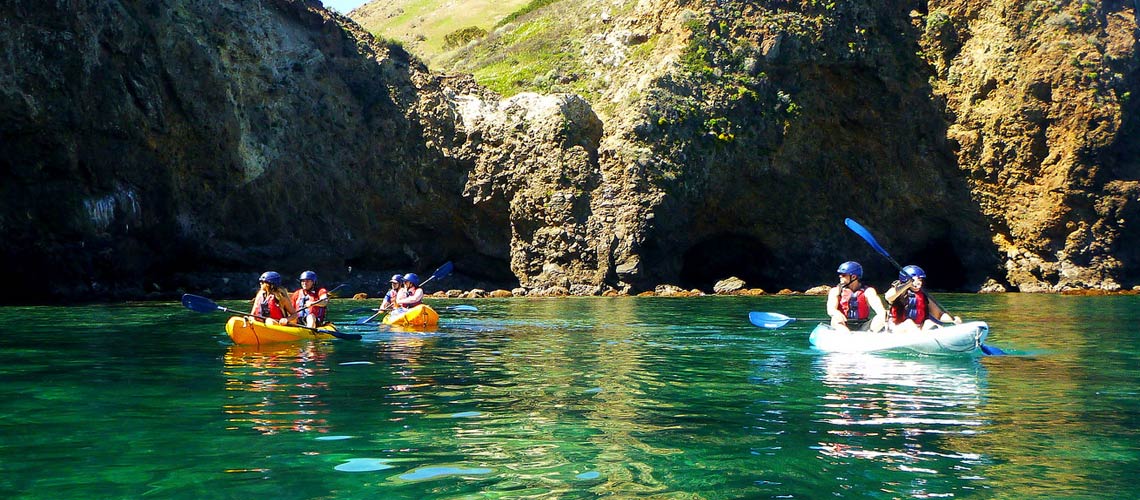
(850, 303)
(413, 294)
(911, 308)
(397, 290)
(310, 301)
(272, 300)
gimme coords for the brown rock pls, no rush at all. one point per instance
(818, 290)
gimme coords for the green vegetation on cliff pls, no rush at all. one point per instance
(423, 26)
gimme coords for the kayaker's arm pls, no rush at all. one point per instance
(896, 289)
(879, 321)
(833, 312)
(320, 303)
(415, 298)
(936, 311)
(323, 299)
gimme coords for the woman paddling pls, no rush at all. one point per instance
(397, 290)
(272, 301)
(413, 294)
(911, 309)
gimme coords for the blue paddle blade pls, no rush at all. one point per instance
(443, 270)
(769, 319)
(990, 350)
(199, 304)
(866, 235)
(365, 321)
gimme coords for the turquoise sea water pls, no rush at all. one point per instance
(569, 398)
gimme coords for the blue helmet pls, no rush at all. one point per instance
(911, 271)
(412, 278)
(851, 267)
(396, 278)
(270, 277)
(308, 275)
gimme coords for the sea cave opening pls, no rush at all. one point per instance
(944, 268)
(724, 255)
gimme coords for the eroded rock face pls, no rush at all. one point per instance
(982, 140)
(144, 141)
(1043, 129)
(987, 143)
(538, 153)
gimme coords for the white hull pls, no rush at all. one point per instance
(966, 338)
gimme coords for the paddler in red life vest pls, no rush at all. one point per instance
(272, 301)
(413, 294)
(310, 301)
(911, 309)
(389, 301)
(850, 303)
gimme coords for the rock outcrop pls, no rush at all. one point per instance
(147, 143)
(148, 147)
(1042, 122)
(987, 141)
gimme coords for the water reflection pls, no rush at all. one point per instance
(903, 415)
(550, 400)
(407, 378)
(276, 388)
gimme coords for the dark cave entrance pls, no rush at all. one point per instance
(724, 255)
(944, 268)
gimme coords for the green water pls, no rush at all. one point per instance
(569, 398)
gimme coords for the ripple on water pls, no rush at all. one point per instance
(425, 473)
(364, 465)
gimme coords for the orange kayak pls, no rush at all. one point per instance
(421, 316)
(257, 333)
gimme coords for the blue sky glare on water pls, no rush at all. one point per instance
(343, 6)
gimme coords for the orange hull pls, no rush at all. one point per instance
(257, 333)
(421, 316)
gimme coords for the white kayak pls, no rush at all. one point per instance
(966, 338)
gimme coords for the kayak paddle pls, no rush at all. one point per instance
(201, 304)
(440, 273)
(774, 320)
(866, 235)
(459, 308)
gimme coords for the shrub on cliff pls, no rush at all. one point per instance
(461, 37)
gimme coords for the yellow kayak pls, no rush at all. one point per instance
(257, 333)
(421, 316)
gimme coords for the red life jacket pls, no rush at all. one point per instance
(270, 307)
(313, 295)
(410, 305)
(911, 305)
(853, 304)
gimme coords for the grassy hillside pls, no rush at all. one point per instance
(422, 25)
(604, 50)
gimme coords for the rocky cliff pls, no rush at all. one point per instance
(148, 143)
(1042, 123)
(987, 141)
(155, 145)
